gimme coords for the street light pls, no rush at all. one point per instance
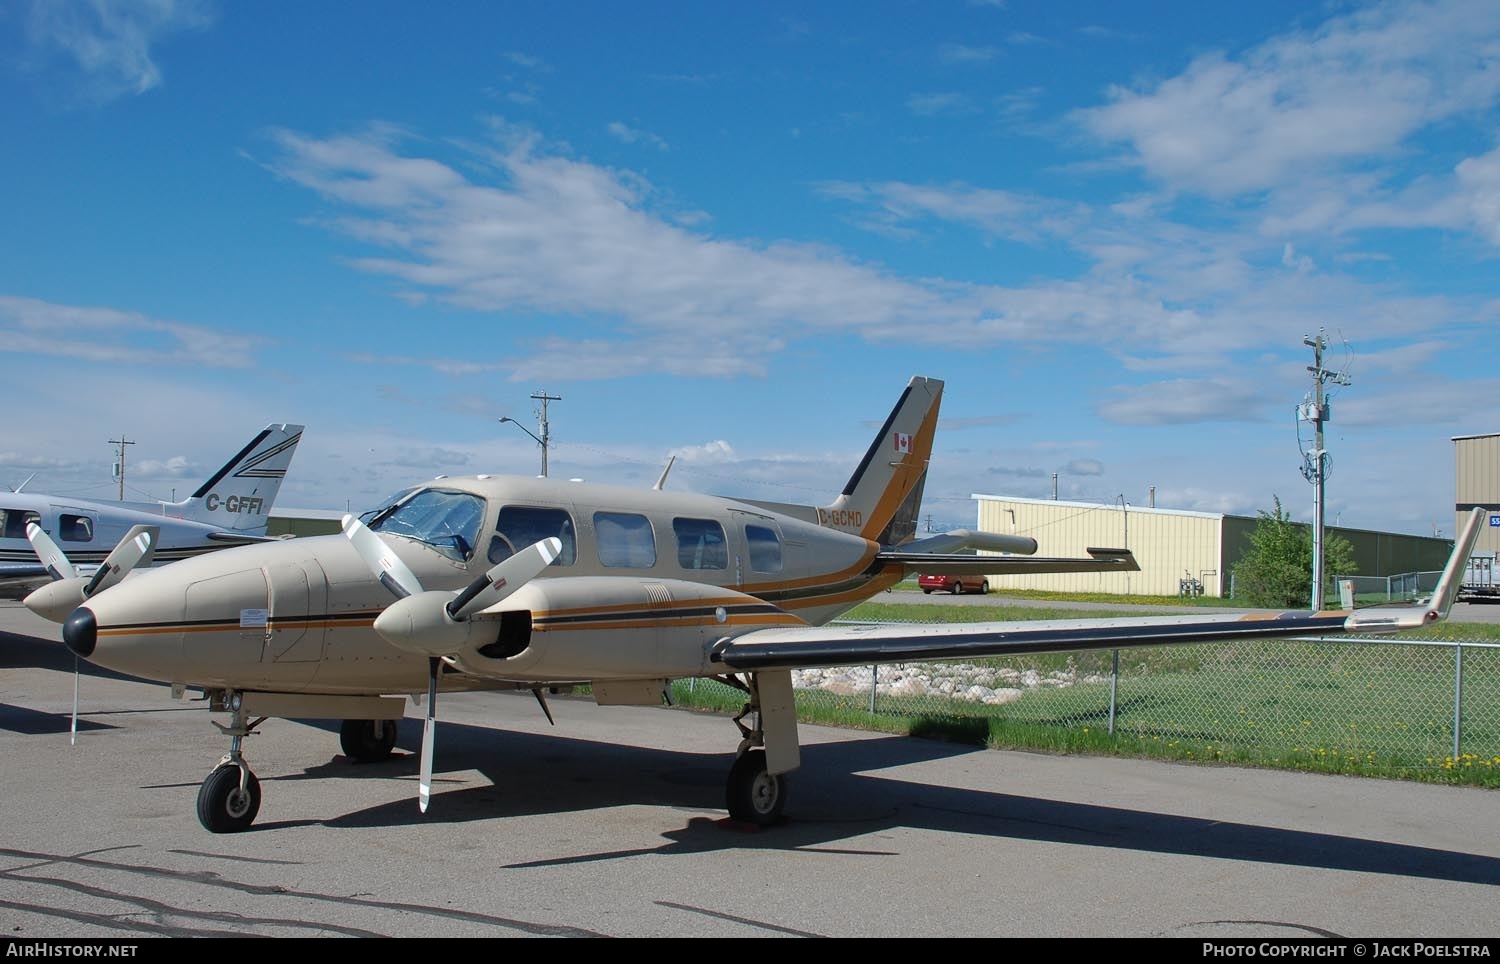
(507, 418)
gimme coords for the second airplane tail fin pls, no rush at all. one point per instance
(238, 497)
(884, 495)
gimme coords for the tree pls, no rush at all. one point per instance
(1277, 571)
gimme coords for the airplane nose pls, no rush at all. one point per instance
(81, 632)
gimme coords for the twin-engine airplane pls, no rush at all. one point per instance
(519, 583)
(230, 508)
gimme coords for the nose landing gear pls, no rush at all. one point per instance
(229, 798)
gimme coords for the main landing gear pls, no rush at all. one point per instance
(230, 798)
(368, 741)
(753, 794)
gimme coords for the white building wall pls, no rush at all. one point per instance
(1168, 544)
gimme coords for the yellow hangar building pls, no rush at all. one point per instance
(1176, 549)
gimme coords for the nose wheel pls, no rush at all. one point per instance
(230, 798)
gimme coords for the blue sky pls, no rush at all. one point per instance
(731, 232)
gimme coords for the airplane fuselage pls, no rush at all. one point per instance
(88, 530)
(663, 574)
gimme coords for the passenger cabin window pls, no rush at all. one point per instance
(700, 544)
(445, 519)
(524, 525)
(765, 549)
(13, 522)
(75, 528)
(624, 540)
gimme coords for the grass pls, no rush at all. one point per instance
(1372, 710)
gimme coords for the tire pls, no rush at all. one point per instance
(984, 588)
(958, 587)
(222, 808)
(368, 741)
(753, 795)
(926, 592)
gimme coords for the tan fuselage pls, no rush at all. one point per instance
(296, 616)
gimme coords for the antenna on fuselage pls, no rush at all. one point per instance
(661, 482)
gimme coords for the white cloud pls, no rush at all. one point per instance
(30, 326)
(1185, 401)
(629, 135)
(111, 41)
(953, 53)
(716, 451)
(1479, 178)
(997, 212)
(1084, 467)
(1309, 102)
(931, 105)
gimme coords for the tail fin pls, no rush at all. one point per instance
(884, 495)
(238, 497)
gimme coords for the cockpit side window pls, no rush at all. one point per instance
(624, 539)
(13, 522)
(445, 519)
(522, 525)
(700, 544)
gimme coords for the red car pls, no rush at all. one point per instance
(954, 584)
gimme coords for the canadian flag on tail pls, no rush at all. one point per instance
(903, 442)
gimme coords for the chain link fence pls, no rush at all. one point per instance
(1351, 704)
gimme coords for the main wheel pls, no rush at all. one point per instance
(222, 806)
(753, 795)
(368, 741)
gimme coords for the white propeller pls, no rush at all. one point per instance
(435, 624)
(69, 590)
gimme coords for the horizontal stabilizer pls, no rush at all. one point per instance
(960, 539)
(940, 563)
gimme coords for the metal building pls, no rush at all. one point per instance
(1173, 546)
(1477, 484)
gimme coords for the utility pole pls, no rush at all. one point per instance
(122, 441)
(544, 398)
(1315, 463)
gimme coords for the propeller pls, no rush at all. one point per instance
(434, 623)
(69, 590)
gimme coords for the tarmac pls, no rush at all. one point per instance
(611, 824)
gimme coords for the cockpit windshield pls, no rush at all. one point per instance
(446, 520)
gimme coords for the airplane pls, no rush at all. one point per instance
(502, 582)
(231, 507)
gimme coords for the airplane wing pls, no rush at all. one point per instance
(238, 538)
(794, 647)
(1099, 560)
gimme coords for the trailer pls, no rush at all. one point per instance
(1479, 579)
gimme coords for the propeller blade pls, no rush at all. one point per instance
(53, 558)
(429, 734)
(73, 729)
(382, 559)
(504, 579)
(136, 549)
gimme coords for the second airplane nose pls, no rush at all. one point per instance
(81, 632)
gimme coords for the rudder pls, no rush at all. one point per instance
(884, 495)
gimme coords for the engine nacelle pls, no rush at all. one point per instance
(609, 627)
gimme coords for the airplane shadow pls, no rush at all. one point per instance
(18, 651)
(830, 799)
